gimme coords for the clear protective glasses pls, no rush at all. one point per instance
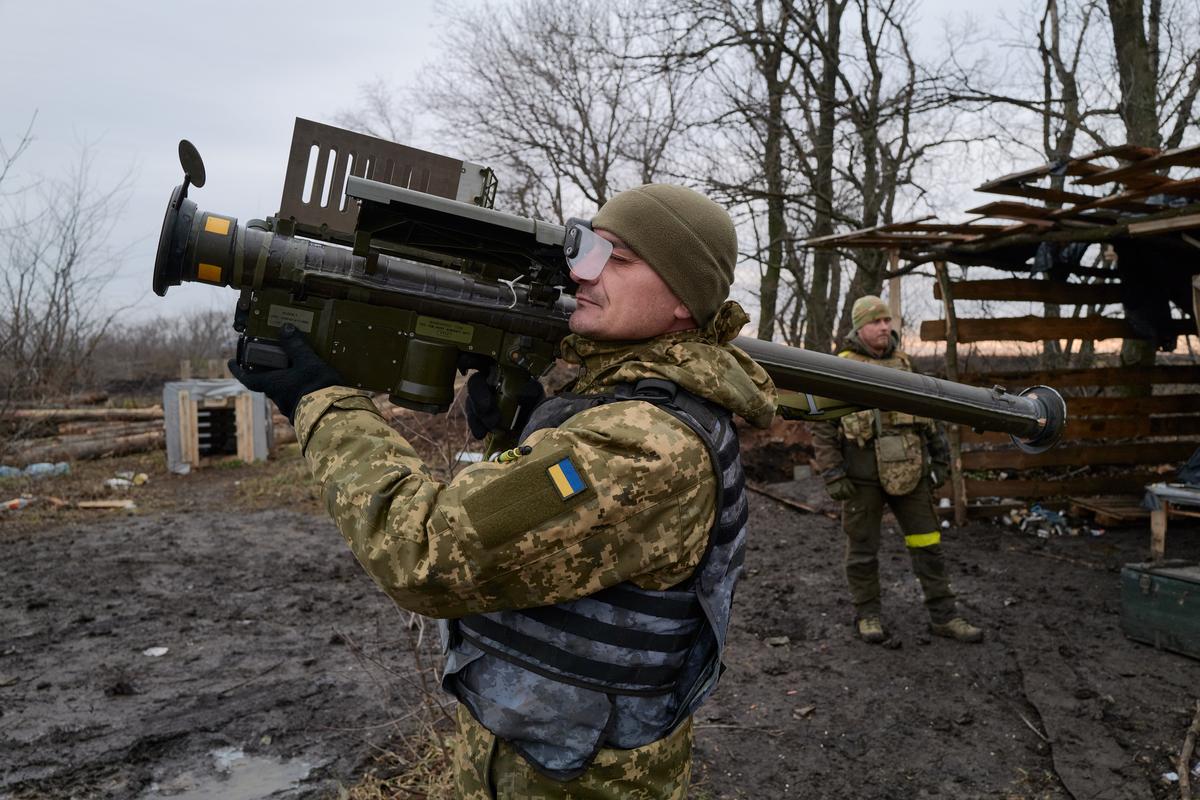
(586, 251)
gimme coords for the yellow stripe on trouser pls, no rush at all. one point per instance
(923, 539)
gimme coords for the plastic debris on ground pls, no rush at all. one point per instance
(1042, 522)
(126, 480)
(17, 503)
(155, 652)
(41, 469)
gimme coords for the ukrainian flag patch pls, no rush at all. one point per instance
(566, 479)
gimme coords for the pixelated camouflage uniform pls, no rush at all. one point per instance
(451, 550)
(887, 455)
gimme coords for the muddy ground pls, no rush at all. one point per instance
(285, 671)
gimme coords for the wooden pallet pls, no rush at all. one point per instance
(1109, 511)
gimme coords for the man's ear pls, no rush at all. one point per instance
(682, 312)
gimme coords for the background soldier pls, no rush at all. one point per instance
(588, 582)
(872, 457)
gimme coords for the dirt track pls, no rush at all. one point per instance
(273, 634)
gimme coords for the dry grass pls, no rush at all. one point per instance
(283, 482)
(417, 761)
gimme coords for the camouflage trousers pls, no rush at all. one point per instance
(861, 517)
(486, 768)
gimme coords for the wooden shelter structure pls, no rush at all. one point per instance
(1124, 422)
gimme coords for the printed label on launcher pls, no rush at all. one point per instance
(447, 331)
(281, 315)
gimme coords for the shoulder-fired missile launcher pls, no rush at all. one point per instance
(398, 271)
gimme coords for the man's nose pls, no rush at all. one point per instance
(582, 281)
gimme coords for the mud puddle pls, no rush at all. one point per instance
(235, 776)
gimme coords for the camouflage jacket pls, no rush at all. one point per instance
(502, 536)
(830, 437)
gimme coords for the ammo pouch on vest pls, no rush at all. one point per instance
(900, 456)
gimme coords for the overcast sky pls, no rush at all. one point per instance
(133, 78)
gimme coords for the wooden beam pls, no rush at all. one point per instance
(1092, 376)
(1096, 233)
(934, 227)
(1078, 455)
(90, 448)
(1124, 152)
(83, 414)
(1132, 406)
(1060, 196)
(1008, 209)
(1127, 483)
(1179, 157)
(1036, 329)
(957, 487)
(1037, 291)
(1164, 225)
(1078, 429)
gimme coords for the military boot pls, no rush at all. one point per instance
(870, 629)
(958, 629)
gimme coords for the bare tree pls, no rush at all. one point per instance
(564, 106)
(380, 112)
(829, 111)
(53, 262)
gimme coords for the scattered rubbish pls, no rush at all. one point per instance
(44, 468)
(791, 692)
(945, 523)
(38, 470)
(803, 712)
(126, 480)
(17, 503)
(155, 652)
(11, 680)
(1170, 777)
(778, 641)
(1043, 522)
(944, 503)
(107, 504)
(1010, 601)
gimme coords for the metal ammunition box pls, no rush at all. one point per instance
(1160, 605)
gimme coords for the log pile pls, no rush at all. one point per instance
(32, 435)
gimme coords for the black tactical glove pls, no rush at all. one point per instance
(841, 489)
(306, 373)
(483, 405)
(939, 473)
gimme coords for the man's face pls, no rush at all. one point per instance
(627, 300)
(875, 335)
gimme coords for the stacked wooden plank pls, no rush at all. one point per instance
(1114, 443)
(61, 434)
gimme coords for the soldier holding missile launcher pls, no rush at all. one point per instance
(586, 585)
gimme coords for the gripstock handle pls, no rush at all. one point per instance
(260, 355)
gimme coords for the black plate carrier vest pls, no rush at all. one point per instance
(622, 667)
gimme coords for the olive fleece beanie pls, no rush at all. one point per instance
(686, 238)
(868, 308)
